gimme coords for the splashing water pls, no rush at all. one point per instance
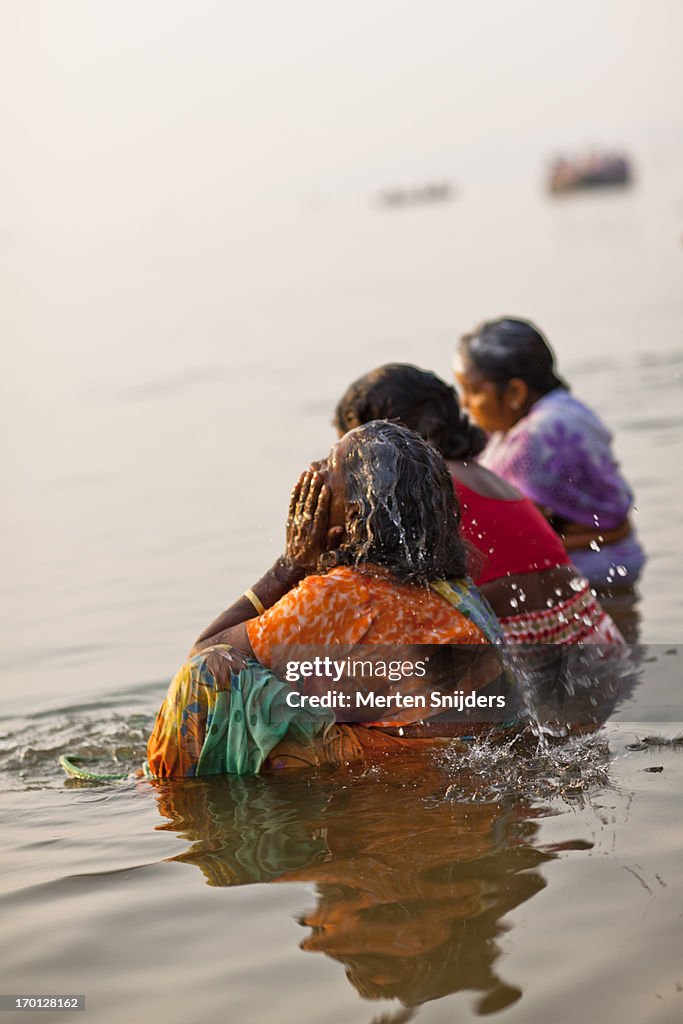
(527, 709)
(379, 475)
(490, 771)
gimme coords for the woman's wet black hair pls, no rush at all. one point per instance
(402, 513)
(502, 349)
(416, 398)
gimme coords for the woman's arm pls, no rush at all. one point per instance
(277, 582)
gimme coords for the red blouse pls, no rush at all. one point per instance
(512, 536)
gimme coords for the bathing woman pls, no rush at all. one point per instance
(548, 444)
(373, 556)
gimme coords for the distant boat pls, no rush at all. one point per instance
(433, 192)
(594, 170)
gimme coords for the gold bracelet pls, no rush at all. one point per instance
(255, 600)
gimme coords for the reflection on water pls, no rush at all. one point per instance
(419, 874)
(624, 607)
(411, 886)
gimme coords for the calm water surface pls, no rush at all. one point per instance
(172, 366)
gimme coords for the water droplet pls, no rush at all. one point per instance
(558, 592)
(594, 546)
(635, 509)
(513, 602)
(622, 570)
(550, 602)
(577, 584)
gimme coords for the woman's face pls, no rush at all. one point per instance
(483, 400)
(331, 472)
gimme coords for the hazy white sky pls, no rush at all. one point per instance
(114, 110)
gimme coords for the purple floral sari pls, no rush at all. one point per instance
(560, 456)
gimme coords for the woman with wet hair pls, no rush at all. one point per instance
(547, 443)
(373, 557)
(521, 565)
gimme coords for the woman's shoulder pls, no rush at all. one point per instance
(475, 479)
(561, 411)
(340, 598)
(330, 607)
(339, 577)
(343, 583)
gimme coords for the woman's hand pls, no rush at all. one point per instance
(309, 533)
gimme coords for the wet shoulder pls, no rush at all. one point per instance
(322, 608)
(341, 589)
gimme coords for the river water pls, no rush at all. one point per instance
(189, 289)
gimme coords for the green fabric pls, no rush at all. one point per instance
(468, 599)
(249, 720)
(470, 602)
(74, 767)
(246, 829)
